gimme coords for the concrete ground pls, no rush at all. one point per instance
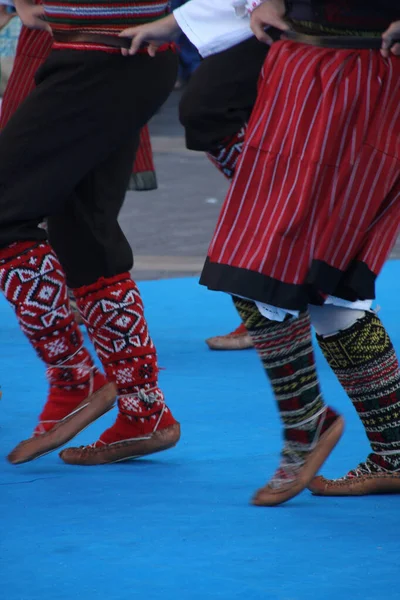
(170, 228)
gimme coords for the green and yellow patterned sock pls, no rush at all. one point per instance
(363, 359)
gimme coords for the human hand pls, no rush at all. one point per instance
(391, 33)
(5, 17)
(269, 14)
(155, 34)
(32, 15)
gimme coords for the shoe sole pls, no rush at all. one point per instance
(366, 485)
(88, 411)
(268, 496)
(239, 342)
(123, 451)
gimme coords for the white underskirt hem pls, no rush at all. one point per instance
(278, 314)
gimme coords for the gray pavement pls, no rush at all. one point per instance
(170, 228)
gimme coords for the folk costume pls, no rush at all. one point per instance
(309, 220)
(66, 155)
(33, 47)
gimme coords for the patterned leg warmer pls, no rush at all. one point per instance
(287, 356)
(33, 282)
(363, 359)
(227, 154)
(112, 310)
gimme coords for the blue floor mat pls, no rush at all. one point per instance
(179, 525)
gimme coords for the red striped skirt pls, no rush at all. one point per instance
(32, 50)
(314, 207)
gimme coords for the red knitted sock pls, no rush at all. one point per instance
(113, 312)
(33, 282)
(138, 417)
(71, 382)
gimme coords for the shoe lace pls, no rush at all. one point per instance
(288, 470)
(149, 397)
(362, 469)
(369, 467)
(84, 368)
(294, 455)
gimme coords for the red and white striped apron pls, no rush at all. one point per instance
(33, 48)
(314, 207)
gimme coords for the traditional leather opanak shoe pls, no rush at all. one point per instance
(294, 474)
(236, 340)
(365, 479)
(128, 449)
(93, 407)
(144, 425)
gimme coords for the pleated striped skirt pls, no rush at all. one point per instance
(314, 207)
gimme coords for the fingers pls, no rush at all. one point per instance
(268, 14)
(39, 24)
(38, 19)
(129, 32)
(396, 50)
(137, 40)
(386, 43)
(44, 26)
(152, 49)
(388, 49)
(391, 34)
(259, 32)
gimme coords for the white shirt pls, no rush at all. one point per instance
(213, 25)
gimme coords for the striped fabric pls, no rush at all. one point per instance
(32, 50)
(144, 172)
(315, 203)
(97, 16)
(144, 156)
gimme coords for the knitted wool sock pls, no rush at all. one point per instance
(286, 352)
(33, 282)
(363, 359)
(225, 157)
(112, 310)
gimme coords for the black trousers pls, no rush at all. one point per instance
(221, 94)
(66, 155)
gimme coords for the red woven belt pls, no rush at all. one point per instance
(99, 39)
